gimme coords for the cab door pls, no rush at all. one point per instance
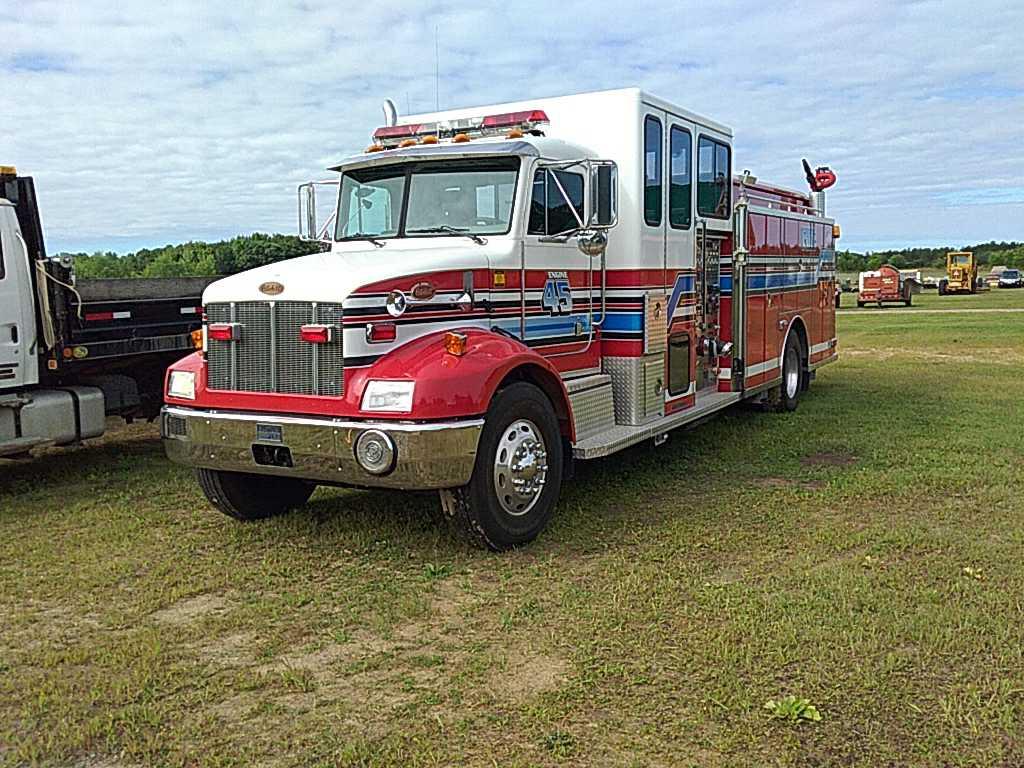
(562, 284)
(17, 316)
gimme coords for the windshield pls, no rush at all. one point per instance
(962, 259)
(428, 198)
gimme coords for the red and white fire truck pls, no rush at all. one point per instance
(507, 289)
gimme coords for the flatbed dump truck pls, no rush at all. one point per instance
(73, 352)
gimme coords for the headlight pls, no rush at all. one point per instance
(182, 384)
(389, 396)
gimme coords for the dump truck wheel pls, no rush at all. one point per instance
(518, 473)
(253, 497)
(792, 374)
(860, 304)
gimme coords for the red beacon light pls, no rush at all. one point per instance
(459, 130)
(525, 119)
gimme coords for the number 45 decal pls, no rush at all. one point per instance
(557, 296)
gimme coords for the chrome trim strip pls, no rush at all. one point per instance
(393, 426)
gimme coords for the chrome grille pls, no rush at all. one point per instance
(270, 356)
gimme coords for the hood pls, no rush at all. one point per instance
(332, 276)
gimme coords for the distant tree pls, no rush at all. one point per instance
(195, 258)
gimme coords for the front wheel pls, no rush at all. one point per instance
(518, 472)
(253, 497)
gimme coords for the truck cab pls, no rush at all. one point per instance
(18, 364)
(507, 289)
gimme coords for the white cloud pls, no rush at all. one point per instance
(159, 122)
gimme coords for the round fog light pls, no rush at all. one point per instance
(375, 452)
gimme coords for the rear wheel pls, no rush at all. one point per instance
(253, 497)
(792, 374)
(518, 473)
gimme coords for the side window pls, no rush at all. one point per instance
(713, 179)
(680, 181)
(652, 171)
(550, 213)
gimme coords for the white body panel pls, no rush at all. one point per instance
(18, 363)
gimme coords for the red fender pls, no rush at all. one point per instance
(448, 385)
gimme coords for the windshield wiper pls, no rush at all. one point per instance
(371, 238)
(450, 230)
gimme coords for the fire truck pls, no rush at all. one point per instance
(508, 290)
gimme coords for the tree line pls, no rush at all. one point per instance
(200, 259)
(991, 253)
(194, 258)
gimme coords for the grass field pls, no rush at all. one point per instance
(864, 553)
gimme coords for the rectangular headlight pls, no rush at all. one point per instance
(182, 384)
(389, 396)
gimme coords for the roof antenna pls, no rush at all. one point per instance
(390, 113)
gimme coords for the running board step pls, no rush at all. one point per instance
(593, 404)
(608, 441)
(21, 445)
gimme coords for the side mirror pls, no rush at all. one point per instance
(309, 207)
(604, 197)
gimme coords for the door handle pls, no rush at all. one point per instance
(14, 334)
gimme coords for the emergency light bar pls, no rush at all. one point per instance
(390, 136)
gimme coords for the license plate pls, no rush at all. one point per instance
(269, 433)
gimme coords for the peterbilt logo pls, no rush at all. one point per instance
(271, 288)
(423, 291)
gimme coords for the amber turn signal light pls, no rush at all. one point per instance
(455, 343)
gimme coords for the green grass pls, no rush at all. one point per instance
(863, 553)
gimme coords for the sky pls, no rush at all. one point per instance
(146, 123)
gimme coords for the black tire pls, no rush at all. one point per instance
(942, 287)
(253, 497)
(476, 510)
(860, 305)
(793, 375)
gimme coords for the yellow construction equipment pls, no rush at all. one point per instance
(961, 273)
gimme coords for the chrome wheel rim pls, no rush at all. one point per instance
(520, 467)
(792, 374)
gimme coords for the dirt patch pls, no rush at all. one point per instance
(443, 614)
(526, 676)
(829, 459)
(191, 609)
(788, 482)
(229, 651)
(38, 623)
(991, 356)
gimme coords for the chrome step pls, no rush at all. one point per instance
(608, 441)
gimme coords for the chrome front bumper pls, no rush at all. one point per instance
(428, 455)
